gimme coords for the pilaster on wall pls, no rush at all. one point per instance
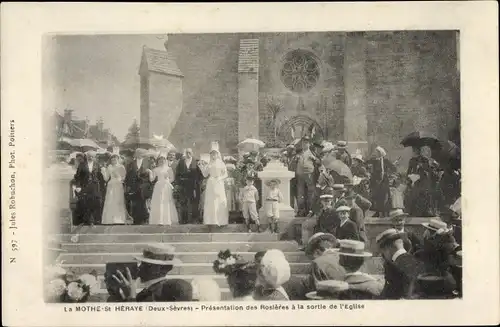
(355, 119)
(248, 89)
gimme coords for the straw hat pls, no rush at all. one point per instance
(352, 248)
(159, 254)
(387, 236)
(397, 214)
(339, 187)
(435, 225)
(274, 180)
(326, 289)
(341, 144)
(343, 209)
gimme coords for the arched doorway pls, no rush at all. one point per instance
(297, 127)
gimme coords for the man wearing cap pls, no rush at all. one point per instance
(347, 229)
(411, 241)
(156, 261)
(323, 221)
(89, 184)
(400, 268)
(306, 184)
(362, 286)
(138, 187)
(342, 153)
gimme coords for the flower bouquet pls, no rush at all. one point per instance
(227, 262)
(65, 287)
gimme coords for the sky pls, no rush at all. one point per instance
(96, 76)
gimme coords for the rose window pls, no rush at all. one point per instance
(300, 71)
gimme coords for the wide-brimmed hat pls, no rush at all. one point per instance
(343, 209)
(274, 268)
(352, 248)
(274, 180)
(358, 156)
(397, 214)
(319, 237)
(387, 236)
(159, 254)
(341, 144)
(435, 224)
(327, 289)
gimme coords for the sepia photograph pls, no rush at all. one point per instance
(250, 164)
(254, 166)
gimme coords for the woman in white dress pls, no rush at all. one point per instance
(163, 210)
(215, 210)
(114, 211)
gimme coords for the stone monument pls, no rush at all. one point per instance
(277, 170)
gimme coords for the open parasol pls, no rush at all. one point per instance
(339, 170)
(419, 139)
(135, 143)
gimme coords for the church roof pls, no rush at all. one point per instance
(160, 62)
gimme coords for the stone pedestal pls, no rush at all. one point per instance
(276, 170)
(57, 199)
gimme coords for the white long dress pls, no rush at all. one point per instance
(114, 211)
(163, 210)
(215, 209)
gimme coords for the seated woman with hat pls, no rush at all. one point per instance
(241, 275)
(272, 272)
(156, 261)
(362, 286)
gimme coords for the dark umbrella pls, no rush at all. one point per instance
(419, 139)
(337, 167)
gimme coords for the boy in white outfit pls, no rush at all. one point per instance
(248, 198)
(272, 203)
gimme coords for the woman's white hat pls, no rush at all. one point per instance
(275, 269)
(435, 224)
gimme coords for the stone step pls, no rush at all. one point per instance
(158, 229)
(186, 257)
(285, 246)
(372, 265)
(167, 238)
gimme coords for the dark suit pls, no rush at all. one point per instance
(347, 231)
(328, 221)
(167, 290)
(90, 200)
(401, 276)
(412, 242)
(379, 183)
(188, 180)
(357, 216)
(138, 189)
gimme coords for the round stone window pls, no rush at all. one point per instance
(300, 71)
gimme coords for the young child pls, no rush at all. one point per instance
(396, 190)
(273, 199)
(248, 198)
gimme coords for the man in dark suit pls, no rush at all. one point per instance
(411, 241)
(138, 187)
(357, 216)
(347, 229)
(380, 169)
(156, 262)
(401, 269)
(188, 179)
(89, 184)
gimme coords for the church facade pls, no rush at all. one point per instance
(369, 88)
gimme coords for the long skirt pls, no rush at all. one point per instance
(114, 211)
(215, 210)
(163, 210)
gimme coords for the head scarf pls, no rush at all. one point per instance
(218, 162)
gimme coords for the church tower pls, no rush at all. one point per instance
(160, 91)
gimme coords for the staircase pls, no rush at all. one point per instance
(195, 245)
